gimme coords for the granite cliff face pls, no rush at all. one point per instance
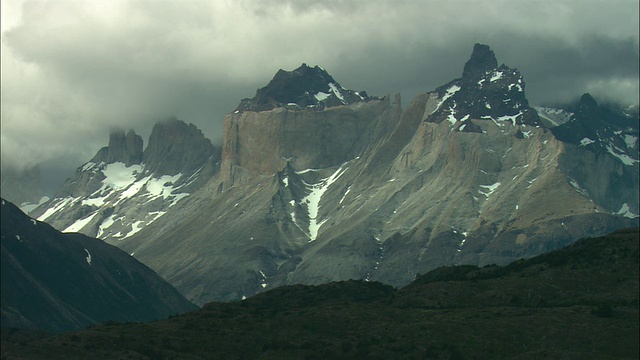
(312, 189)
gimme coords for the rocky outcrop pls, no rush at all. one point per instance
(62, 282)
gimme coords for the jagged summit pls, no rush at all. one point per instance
(176, 147)
(124, 148)
(485, 92)
(600, 129)
(482, 60)
(123, 188)
(304, 87)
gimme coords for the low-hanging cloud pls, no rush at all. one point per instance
(73, 69)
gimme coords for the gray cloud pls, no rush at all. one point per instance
(73, 69)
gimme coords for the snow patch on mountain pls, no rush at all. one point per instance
(496, 76)
(586, 141)
(312, 200)
(106, 223)
(79, 224)
(631, 141)
(321, 96)
(449, 93)
(162, 186)
(345, 194)
(134, 188)
(626, 212)
(489, 189)
(624, 158)
(135, 227)
(119, 176)
(554, 116)
(336, 91)
(88, 258)
(28, 207)
(511, 118)
(62, 203)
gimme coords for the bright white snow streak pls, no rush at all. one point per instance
(313, 200)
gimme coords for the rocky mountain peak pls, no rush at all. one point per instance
(304, 87)
(482, 60)
(175, 146)
(587, 104)
(123, 147)
(485, 92)
(602, 130)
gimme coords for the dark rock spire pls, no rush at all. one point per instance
(482, 60)
(175, 146)
(124, 148)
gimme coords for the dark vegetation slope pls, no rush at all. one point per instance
(58, 282)
(580, 302)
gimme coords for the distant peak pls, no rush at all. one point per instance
(175, 147)
(126, 148)
(482, 59)
(302, 88)
(586, 100)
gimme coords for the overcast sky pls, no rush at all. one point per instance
(73, 69)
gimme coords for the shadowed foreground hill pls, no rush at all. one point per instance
(580, 302)
(59, 282)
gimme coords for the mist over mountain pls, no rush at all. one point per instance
(314, 182)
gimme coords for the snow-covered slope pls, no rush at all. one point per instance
(122, 190)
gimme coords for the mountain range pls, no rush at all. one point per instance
(316, 183)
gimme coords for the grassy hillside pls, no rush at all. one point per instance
(580, 302)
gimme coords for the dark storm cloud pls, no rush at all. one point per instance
(73, 69)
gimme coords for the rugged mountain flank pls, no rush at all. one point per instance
(61, 282)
